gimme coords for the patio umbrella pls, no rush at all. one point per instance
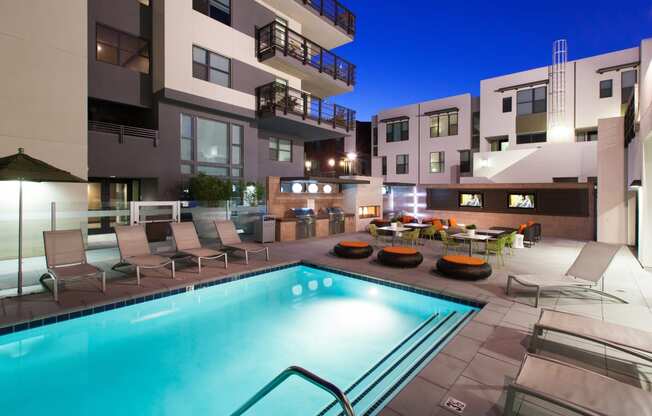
(21, 167)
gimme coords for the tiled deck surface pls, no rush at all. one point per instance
(479, 362)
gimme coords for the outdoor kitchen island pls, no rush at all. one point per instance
(313, 207)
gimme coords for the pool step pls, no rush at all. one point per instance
(397, 366)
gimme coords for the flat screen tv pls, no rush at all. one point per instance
(522, 200)
(471, 200)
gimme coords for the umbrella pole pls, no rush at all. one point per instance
(20, 237)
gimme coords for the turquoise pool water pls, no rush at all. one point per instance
(207, 351)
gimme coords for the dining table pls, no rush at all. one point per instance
(470, 238)
(396, 231)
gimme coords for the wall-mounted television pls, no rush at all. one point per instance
(470, 200)
(525, 200)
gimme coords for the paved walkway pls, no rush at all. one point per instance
(480, 361)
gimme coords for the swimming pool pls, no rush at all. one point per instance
(209, 350)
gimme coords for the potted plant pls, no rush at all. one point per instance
(212, 196)
(470, 229)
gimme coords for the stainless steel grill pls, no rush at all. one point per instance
(335, 220)
(306, 225)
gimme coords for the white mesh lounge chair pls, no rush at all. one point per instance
(134, 250)
(586, 272)
(231, 240)
(187, 241)
(577, 389)
(65, 257)
(632, 341)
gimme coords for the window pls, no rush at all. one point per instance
(383, 161)
(219, 10)
(211, 67)
(507, 105)
(586, 135)
(280, 149)
(475, 131)
(213, 147)
(402, 164)
(465, 161)
(119, 48)
(398, 131)
(531, 101)
(606, 88)
(444, 124)
(436, 162)
(374, 141)
(627, 83)
(531, 138)
(498, 143)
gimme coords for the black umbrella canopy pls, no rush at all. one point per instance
(20, 166)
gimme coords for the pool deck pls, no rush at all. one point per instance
(477, 364)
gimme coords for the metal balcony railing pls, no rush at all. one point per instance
(276, 36)
(121, 131)
(334, 11)
(630, 121)
(274, 97)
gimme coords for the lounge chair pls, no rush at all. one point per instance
(134, 250)
(231, 240)
(65, 257)
(586, 272)
(187, 241)
(622, 338)
(576, 389)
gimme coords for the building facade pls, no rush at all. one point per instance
(227, 88)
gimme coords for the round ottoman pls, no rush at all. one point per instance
(400, 257)
(464, 267)
(353, 249)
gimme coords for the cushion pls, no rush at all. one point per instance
(353, 244)
(452, 222)
(400, 250)
(521, 228)
(438, 225)
(465, 260)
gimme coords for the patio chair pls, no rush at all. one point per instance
(448, 242)
(576, 389)
(65, 258)
(376, 235)
(187, 241)
(429, 233)
(134, 250)
(586, 272)
(409, 238)
(496, 247)
(509, 242)
(629, 340)
(231, 240)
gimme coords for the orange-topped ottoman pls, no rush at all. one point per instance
(400, 257)
(464, 267)
(353, 249)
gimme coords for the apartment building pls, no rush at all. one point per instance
(560, 134)
(227, 88)
(425, 143)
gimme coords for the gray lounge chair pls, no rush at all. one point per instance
(231, 240)
(632, 341)
(187, 241)
(134, 250)
(576, 389)
(65, 257)
(586, 272)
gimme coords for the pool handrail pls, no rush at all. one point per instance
(314, 379)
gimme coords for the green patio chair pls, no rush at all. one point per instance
(509, 242)
(429, 233)
(409, 237)
(375, 234)
(496, 247)
(448, 242)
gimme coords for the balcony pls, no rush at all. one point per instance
(121, 131)
(327, 22)
(294, 112)
(323, 73)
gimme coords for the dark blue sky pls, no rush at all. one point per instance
(414, 50)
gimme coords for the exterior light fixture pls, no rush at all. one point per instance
(308, 164)
(635, 185)
(342, 163)
(313, 188)
(351, 156)
(297, 188)
(327, 189)
(331, 162)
